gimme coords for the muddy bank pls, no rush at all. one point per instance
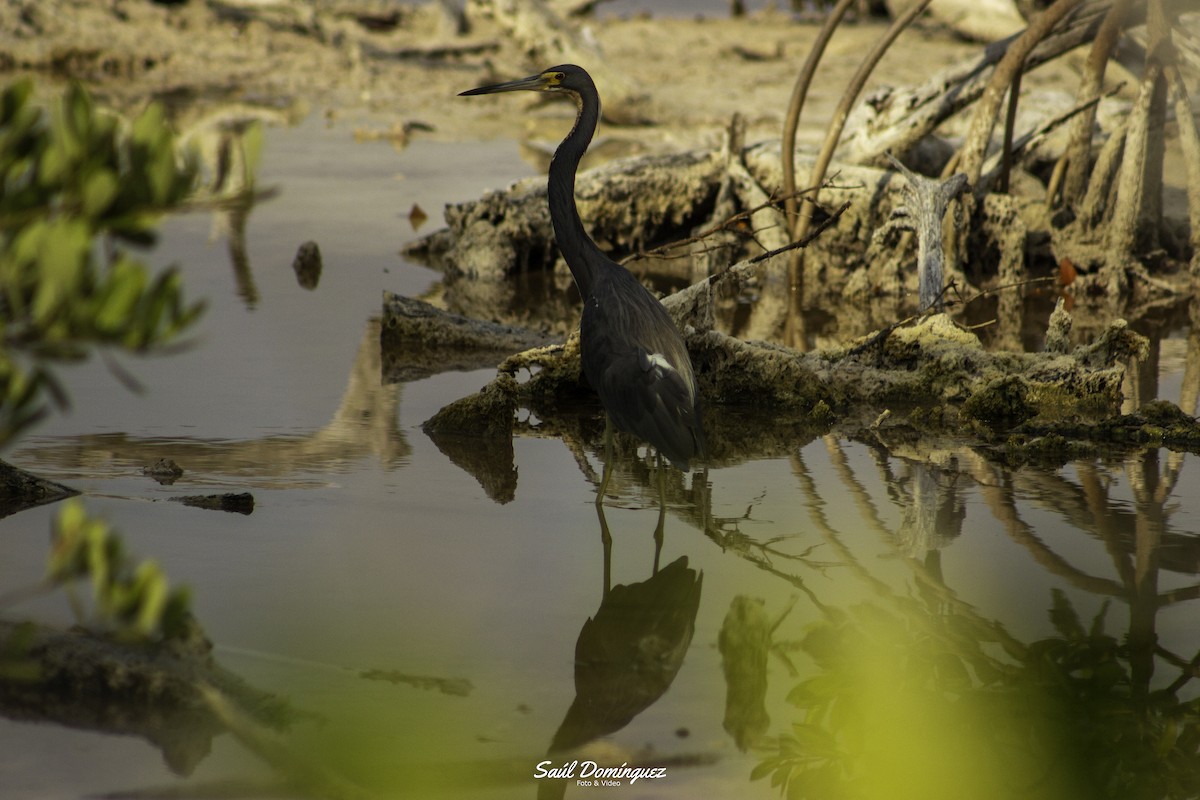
(671, 86)
(400, 65)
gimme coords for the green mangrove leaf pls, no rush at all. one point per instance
(65, 247)
(99, 190)
(122, 291)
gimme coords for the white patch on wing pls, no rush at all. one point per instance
(655, 361)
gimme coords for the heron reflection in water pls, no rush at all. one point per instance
(632, 353)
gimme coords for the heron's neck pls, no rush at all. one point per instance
(577, 247)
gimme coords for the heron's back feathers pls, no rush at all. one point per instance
(636, 361)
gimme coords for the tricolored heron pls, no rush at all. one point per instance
(632, 353)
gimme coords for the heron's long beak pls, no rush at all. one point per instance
(533, 82)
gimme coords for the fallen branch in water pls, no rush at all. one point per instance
(154, 691)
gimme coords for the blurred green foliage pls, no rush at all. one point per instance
(909, 702)
(77, 184)
(131, 600)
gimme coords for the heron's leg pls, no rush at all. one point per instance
(608, 457)
(606, 542)
(662, 512)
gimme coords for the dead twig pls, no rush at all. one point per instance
(1005, 287)
(729, 224)
(801, 243)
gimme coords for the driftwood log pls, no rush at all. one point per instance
(630, 203)
(933, 371)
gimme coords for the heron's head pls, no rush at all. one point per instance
(563, 78)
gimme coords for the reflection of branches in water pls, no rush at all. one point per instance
(927, 489)
(930, 583)
(922, 668)
(1081, 673)
(635, 479)
(365, 423)
(897, 704)
(228, 144)
(232, 222)
(816, 508)
(1138, 543)
(1002, 503)
(634, 483)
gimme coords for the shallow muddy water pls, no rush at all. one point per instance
(890, 609)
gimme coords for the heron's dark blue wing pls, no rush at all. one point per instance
(636, 361)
